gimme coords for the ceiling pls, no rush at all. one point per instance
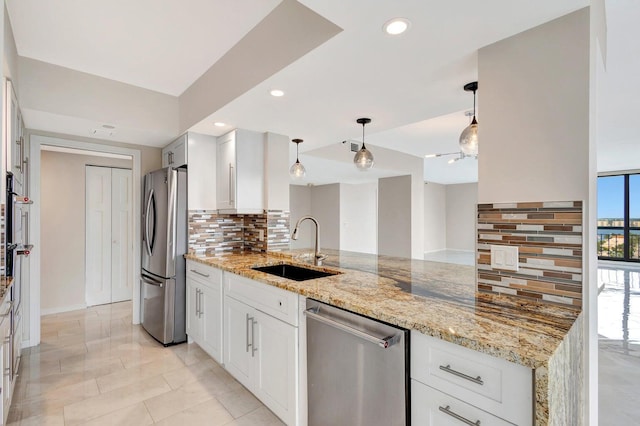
(410, 85)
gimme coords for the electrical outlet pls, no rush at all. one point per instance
(504, 257)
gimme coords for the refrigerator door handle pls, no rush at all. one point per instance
(151, 281)
(146, 225)
(171, 222)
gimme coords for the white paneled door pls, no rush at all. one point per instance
(109, 221)
(121, 235)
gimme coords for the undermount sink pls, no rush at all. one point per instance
(292, 272)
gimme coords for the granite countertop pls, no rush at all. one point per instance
(437, 299)
(5, 284)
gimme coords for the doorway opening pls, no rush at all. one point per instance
(72, 198)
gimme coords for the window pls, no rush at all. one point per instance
(619, 217)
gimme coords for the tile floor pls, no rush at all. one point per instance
(94, 368)
(619, 344)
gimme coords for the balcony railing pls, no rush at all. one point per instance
(611, 243)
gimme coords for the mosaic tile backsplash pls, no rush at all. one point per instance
(549, 239)
(211, 233)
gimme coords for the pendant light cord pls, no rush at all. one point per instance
(363, 147)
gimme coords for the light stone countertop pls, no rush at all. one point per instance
(437, 299)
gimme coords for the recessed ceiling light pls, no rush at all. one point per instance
(396, 26)
(108, 126)
(219, 124)
(277, 93)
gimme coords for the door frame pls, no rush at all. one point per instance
(36, 143)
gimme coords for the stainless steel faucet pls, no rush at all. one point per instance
(317, 257)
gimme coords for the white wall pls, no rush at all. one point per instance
(402, 164)
(325, 207)
(394, 216)
(534, 96)
(276, 170)
(300, 204)
(62, 201)
(359, 217)
(435, 217)
(461, 206)
(51, 95)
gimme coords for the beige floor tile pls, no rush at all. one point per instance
(190, 354)
(88, 364)
(38, 385)
(186, 374)
(258, 417)
(190, 394)
(60, 353)
(128, 376)
(239, 402)
(93, 367)
(53, 418)
(134, 415)
(92, 408)
(46, 406)
(209, 413)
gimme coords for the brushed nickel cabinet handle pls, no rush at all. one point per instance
(247, 331)
(200, 273)
(447, 410)
(448, 369)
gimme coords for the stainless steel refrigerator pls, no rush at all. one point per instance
(164, 243)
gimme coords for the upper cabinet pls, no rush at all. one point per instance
(240, 172)
(175, 154)
(14, 134)
(198, 153)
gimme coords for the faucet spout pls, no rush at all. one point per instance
(318, 257)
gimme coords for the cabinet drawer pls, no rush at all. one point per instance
(271, 300)
(430, 407)
(495, 385)
(204, 274)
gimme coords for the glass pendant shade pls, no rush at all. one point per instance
(469, 139)
(297, 171)
(363, 159)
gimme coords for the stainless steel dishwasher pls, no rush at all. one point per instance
(357, 369)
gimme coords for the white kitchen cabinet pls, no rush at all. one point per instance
(198, 153)
(238, 351)
(430, 407)
(261, 351)
(5, 355)
(175, 154)
(275, 344)
(13, 137)
(240, 172)
(485, 383)
(204, 308)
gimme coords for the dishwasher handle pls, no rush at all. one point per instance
(384, 343)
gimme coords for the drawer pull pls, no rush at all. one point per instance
(200, 273)
(448, 369)
(457, 416)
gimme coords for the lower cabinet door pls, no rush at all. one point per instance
(5, 333)
(275, 346)
(211, 333)
(430, 407)
(192, 318)
(239, 326)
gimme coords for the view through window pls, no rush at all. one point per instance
(619, 217)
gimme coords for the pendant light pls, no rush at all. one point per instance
(363, 158)
(297, 170)
(469, 136)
